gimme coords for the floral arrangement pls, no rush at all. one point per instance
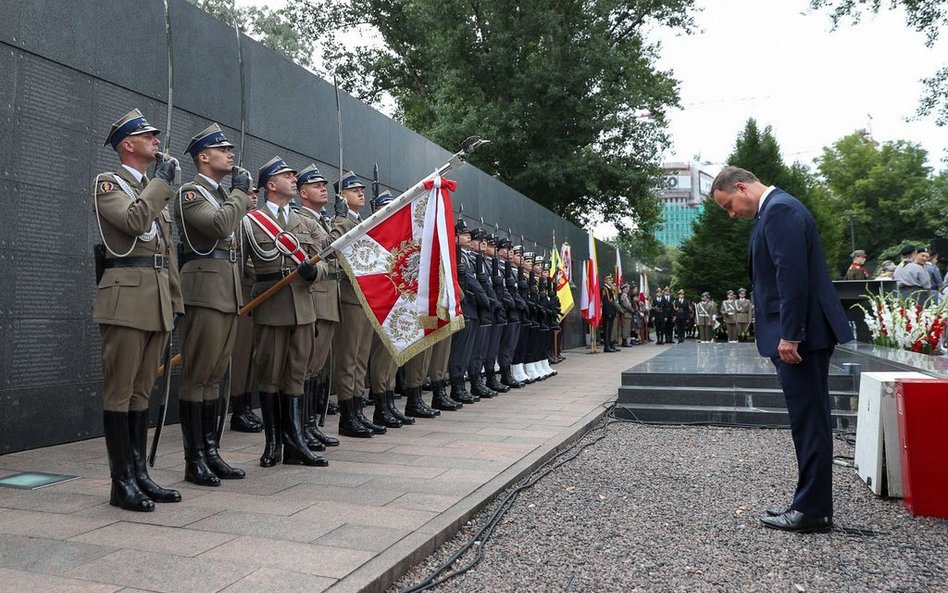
(899, 322)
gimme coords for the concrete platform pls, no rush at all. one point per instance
(382, 505)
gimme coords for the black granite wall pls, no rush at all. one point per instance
(67, 70)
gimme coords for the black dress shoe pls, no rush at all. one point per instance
(777, 511)
(798, 522)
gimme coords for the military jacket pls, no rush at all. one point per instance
(729, 310)
(293, 304)
(325, 292)
(134, 221)
(743, 313)
(706, 312)
(208, 220)
(510, 284)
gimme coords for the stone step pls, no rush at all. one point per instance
(736, 415)
(837, 382)
(719, 396)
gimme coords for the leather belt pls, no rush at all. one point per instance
(270, 277)
(224, 254)
(907, 287)
(157, 261)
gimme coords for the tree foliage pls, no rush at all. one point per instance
(714, 259)
(560, 88)
(274, 28)
(925, 16)
(887, 189)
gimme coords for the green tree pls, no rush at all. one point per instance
(925, 16)
(714, 259)
(887, 190)
(567, 92)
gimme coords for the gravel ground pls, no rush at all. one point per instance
(677, 509)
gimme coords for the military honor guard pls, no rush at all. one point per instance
(706, 311)
(511, 260)
(744, 314)
(486, 315)
(279, 241)
(608, 298)
(681, 315)
(137, 299)
(522, 370)
(729, 314)
(501, 315)
(473, 302)
(314, 196)
(208, 217)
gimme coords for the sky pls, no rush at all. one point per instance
(780, 63)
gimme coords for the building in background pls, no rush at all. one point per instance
(683, 190)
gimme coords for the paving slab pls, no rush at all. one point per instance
(382, 505)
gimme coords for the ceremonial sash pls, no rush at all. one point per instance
(279, 237)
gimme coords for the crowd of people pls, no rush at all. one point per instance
(917, 275)
(629, 316)
(307, 339)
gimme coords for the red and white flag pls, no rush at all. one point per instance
(619, 279)
(405, 273)
(590, 307)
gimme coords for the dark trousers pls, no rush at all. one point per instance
(680, 328)
(460, 348)
(508, 343)
(806, 390)
(520, 352)
(479, 352)
(493, 346)
(668, 326)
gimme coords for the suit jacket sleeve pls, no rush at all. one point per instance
(785, 232)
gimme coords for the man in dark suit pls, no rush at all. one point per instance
(799, 320)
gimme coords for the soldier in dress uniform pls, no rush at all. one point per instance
(705, 312)
(207, 218)
(522, 369)
(486, 317)
(353, 341)
(743, 314)
(242, 417)
(508, 343)
(681, 315)
(550, 315)
(473, 302)
(607, 295)
(658, 315)
(137, 299)
(314, 195)
(857, 269)
(504, 304)
(278, 242)
(729, 314)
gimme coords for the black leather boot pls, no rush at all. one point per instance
(125, 492)
(349, 425)
(507, 379)
(360, 416)
(312, 427)
(479, 389)
(242, 418)
(383, 415)
(138, 439)
(295, 451)
(270, 409)
(427, 385)
(440, 399)
(310, 416)
(459, 392)
(416, 406)
(196, 469)
(494, 384)
(393, 409)
(212, 456)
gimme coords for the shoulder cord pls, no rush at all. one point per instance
(184, 224)
(144, 237)
(264, 254)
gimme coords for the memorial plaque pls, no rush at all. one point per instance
(42, 352)
(39, 416)
(7, 65)
(9, 134)
(54, 93)
(64, 155)
(50, 288)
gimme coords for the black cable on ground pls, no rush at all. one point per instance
(439, 575)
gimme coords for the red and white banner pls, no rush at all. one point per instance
(589, 304)
(405, 272)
